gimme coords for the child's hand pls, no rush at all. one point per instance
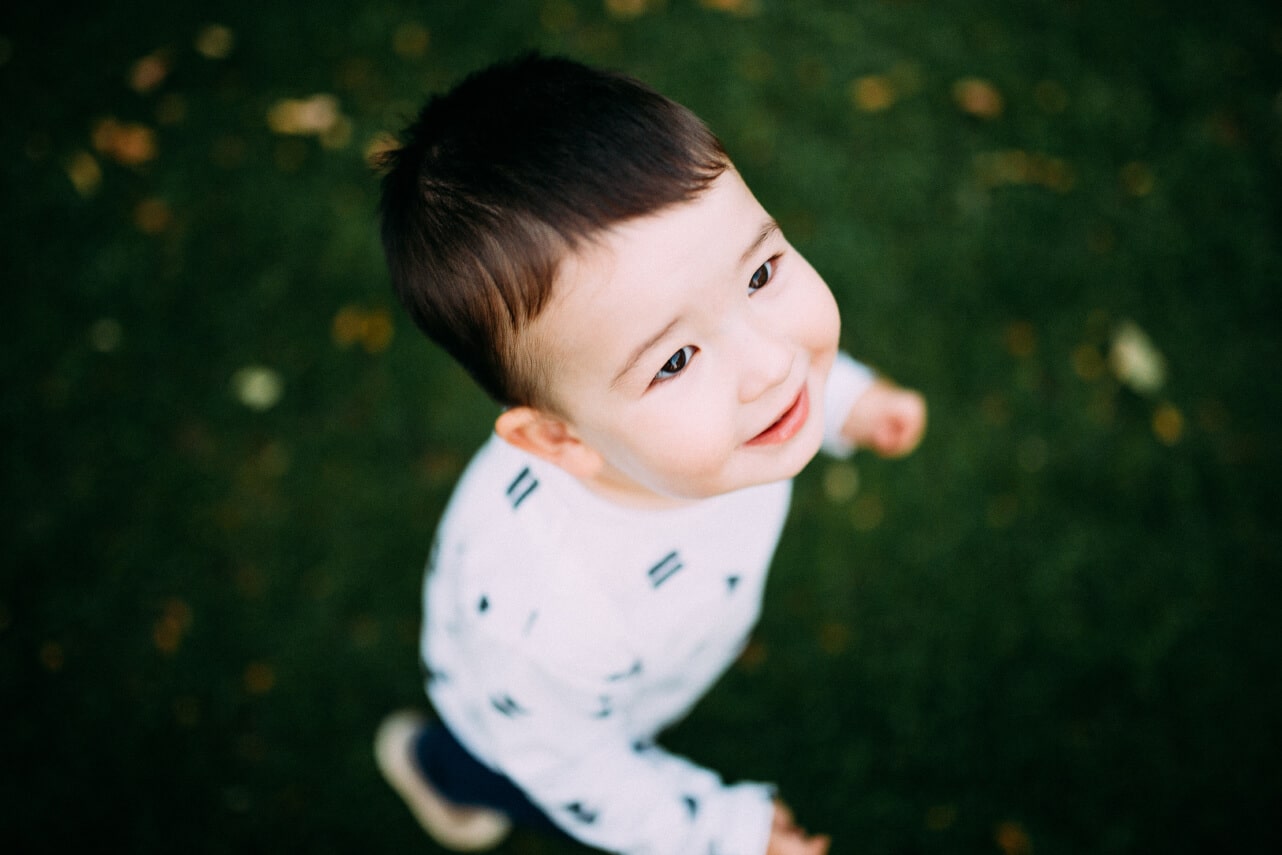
(888, 419)
(787, 839)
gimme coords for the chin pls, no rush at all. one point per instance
(804, 449)
(812, 451)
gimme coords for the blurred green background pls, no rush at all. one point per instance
(1053, 630)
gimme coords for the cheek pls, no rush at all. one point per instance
(690, 436)
(820, 318)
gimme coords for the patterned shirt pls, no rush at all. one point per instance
(563, 632)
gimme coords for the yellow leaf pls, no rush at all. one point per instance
(873, 93)
(214, 41)
(348, 326)
(378, 331)
(84, 173)
(1168, 424)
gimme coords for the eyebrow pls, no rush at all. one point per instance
(640, 351)
(771, 227)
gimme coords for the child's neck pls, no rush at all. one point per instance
(626, 493)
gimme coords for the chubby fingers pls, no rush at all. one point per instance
(902, 423)
(887, 419)
(787, 838)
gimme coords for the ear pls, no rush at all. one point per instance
(549, 438)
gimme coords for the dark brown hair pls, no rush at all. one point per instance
(501, 177)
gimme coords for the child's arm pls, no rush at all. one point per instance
(886, 418)
(862, 410)
(560, 739)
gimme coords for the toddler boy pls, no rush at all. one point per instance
(667, 362)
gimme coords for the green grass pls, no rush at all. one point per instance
(1054, 628)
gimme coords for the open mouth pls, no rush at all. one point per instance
(787, 425)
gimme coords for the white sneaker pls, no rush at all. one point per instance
(462, 829)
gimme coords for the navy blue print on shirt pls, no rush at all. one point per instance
(583, 814)
(521, 487)
(634, 671)
(692, 805)
(732, 582)
(664, 570)
(507, 706)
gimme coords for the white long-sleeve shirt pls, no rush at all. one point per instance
(563, 632)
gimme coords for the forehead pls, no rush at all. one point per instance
(641, 274)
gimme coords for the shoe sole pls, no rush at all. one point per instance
(457, 828)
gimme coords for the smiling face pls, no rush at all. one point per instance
(688, 352)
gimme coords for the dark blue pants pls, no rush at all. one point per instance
(464, 780)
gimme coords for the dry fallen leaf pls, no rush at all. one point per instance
(127, 143)
(372, 329)
(977, 97)
(309, 116)
(317, 115)
(148, 73)
(153, 215)
(1012, 839)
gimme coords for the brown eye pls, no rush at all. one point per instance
(676, 364)
(763, 275)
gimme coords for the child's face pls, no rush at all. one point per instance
(690, 349)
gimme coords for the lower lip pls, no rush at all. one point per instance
(789, 423)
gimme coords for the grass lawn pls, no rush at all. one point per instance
(1054, 629)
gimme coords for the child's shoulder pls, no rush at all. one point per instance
(518, 548)
(503, 491)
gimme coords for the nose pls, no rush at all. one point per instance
(764, 358)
